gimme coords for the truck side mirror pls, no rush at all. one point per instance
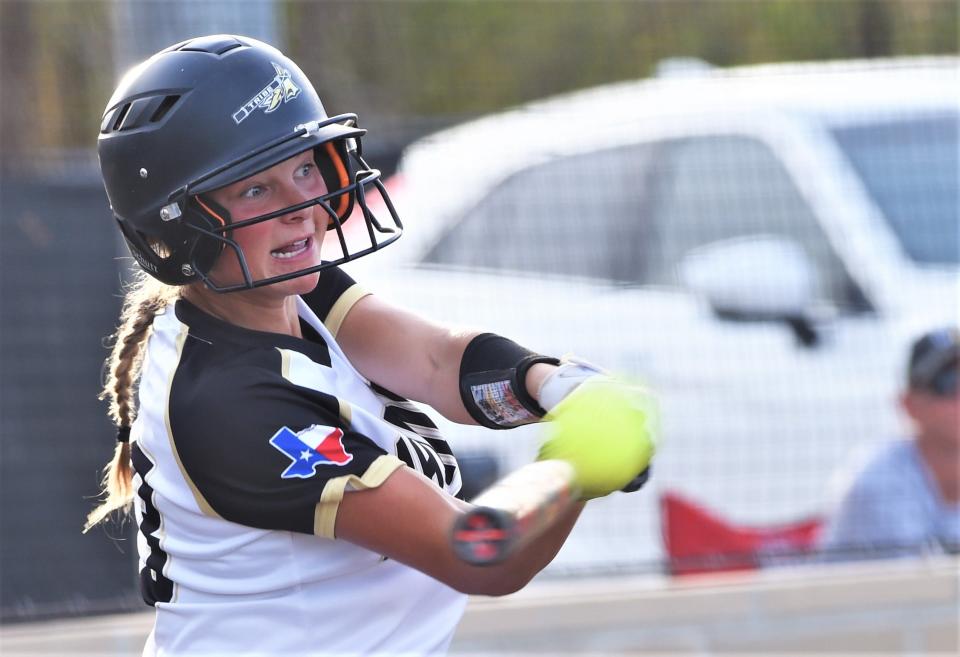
(755, 278)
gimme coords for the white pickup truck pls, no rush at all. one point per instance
(758, 244)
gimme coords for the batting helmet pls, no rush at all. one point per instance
(208, 112)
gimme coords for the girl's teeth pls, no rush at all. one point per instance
(289, 251)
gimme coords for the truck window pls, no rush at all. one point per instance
(578, 215)
(707, 189)
(911, 169)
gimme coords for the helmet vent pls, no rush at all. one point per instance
(165, 105)
(159, 247)
(216, 44)
(121, 115)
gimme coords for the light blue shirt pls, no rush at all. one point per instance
(891, 507)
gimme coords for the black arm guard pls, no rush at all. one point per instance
(493, 388)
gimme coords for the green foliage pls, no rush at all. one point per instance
(57, 56)
(441, 60)
(428, 57)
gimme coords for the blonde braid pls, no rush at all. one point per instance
(143, 301)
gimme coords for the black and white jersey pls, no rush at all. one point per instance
(244, 446)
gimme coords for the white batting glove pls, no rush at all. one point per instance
(564, 379)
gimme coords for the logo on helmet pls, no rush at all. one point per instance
(143, 260)
(281, 89)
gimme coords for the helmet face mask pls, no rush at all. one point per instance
(207, 113)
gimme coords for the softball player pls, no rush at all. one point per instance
(289, 499)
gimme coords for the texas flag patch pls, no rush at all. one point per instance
(315, 445)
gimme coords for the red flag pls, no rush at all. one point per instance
(700, 541)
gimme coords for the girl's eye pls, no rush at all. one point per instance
(306, 169)
(253, 192)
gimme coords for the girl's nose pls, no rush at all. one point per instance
(293, 195)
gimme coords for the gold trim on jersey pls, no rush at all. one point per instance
(342, 306)
(288, 359)
(197, 495)
(284, 363)
(346, 413)
(325, 513)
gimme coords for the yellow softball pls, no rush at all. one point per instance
(607, 430)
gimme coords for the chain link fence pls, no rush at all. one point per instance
(751, 441)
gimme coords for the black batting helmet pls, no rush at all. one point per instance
(208, 112)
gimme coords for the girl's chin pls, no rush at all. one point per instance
(299, 285)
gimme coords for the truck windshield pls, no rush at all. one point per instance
(910, 168)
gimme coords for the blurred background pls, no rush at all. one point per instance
(749, 205)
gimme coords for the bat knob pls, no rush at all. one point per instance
(483, 536)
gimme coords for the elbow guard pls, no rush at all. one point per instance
(493, 387)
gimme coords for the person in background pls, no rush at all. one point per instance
(905, 499)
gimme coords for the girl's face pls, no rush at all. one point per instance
(277, 246)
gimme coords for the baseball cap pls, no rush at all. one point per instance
(935, 361)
